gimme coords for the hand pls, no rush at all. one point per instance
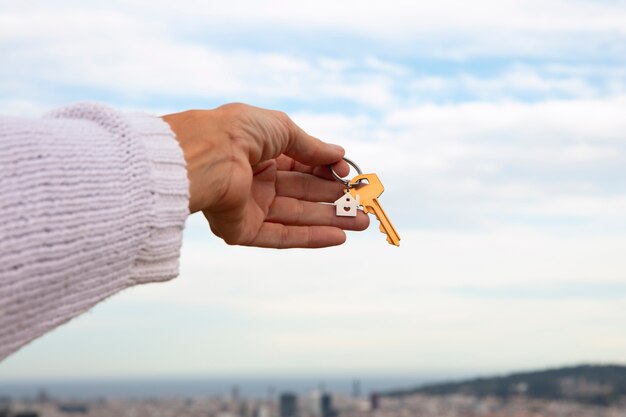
(258, 178)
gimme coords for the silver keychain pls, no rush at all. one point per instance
(347, 205)
(364, 190)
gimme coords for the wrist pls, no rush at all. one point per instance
(199, 136)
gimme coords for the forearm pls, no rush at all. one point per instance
(93, 201)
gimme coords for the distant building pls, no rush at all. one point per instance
(374, 401)
(326, 405)
(321, 404)
(356, 388)
(315, 409)
(42, 396)
(234, 395)
(288, 405)
(5, 405)
(242, 410)
(261, 410)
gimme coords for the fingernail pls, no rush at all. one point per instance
(339, 148)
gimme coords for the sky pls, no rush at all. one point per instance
(497, 127)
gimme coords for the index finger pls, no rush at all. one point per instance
(285, 163)
(308, 149)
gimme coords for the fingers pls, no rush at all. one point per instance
(307, 187)
(285, 163)
(280, 236)
(307, 149)
(290, 211)
(341, 168)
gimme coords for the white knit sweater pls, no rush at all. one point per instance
(92, 201)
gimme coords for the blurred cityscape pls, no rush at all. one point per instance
(318, 403)
(576, 391)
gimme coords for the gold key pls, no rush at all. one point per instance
(368, 193)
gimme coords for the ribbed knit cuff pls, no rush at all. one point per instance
(96, 202)
(168, 187)
(158, 260)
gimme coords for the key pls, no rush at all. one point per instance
(368, 194)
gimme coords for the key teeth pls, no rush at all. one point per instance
(380, 226)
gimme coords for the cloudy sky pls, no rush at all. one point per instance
(497, 127)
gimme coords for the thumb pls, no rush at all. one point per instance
(309, 150)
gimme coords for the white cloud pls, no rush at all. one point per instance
(517, 81)
(523, 81)
(112, 51)
(412, 17)
(445, 28)
(554, 135)
(601, 119)
(122, 52)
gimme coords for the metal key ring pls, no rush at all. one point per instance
(338, 178)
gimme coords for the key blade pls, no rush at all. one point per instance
(385, 225)
(369, 191)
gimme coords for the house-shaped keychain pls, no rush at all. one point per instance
(346, 205)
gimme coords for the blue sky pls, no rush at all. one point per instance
(498, 128)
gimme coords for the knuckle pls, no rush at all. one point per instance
(234, 108)
(299, 212)
(281, 115)
(233, 120)
(309, 237)
(284, 119)
(283, 240)
(306, 187)
(233, 112)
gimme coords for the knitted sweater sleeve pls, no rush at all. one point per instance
(92, 201)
